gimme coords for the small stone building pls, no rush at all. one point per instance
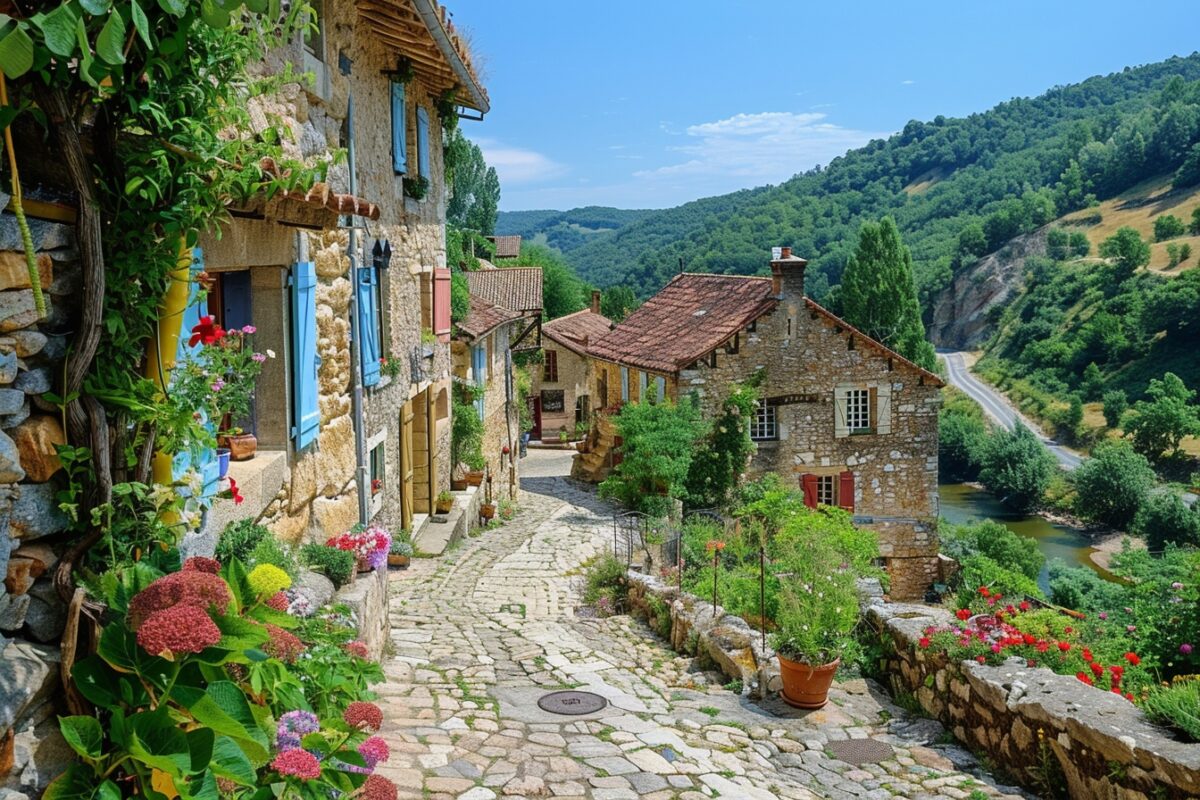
(850, 422)
(505, 318)
(561, 399)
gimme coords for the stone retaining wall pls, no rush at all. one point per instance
(366, 596)
(1025, 718)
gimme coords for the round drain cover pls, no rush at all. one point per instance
(571, 703)
(860, 751)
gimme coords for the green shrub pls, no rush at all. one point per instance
(1167, 226)
(1112, 484)
(1009, 550)
(979, 570)
(270, 551)
(606, 578)
(337, 565)
(658, 444)
(961, 439)
(239, 539)
(1116, 403)
(1163, 518)
(1177, 706)
(1016, 467)
(720, 460)
(1082, 589)
(466, 431)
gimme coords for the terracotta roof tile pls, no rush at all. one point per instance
(506, 246)
(693, 314)
(513, 288)
(575, 330)
(320, 195)
(485, 317)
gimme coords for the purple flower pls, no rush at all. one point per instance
(218, 385)
(292, 727)
(1185, 648)
(249, 329)
(258, 358)
(1177, 586)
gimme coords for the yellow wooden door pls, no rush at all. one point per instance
(406, 465)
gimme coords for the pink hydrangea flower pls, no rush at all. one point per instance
(192, 588)
(378, 787)
(374, 751)
(202, 564)
(297, 764)
(283, 644)
(361, 714)
(178, 629)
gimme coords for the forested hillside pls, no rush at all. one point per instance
(567, 230)
(958, 188)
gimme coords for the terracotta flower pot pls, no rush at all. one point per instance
(444, 506)
(475, 477)
(243, 446)
(487, 510)
(398, 561)
(804, 685)
(458, 484)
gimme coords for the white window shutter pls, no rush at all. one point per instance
(841, 428)
(883, 414)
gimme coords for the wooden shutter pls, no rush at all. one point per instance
(399, 132)
(368, 324)
(643, 380)
(550, 368)
(882, 416)
(841, 428)
(660, 386)
(306, 411)
(808, 484)
(478, 369)
(204, 462)
(624, 384)
(873, 407)
(441, 304)
(846, 490)
(422, 142)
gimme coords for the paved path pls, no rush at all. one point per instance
(480, 634)
(998, 407)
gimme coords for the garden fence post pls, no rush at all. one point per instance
(762, 595)
(716, 561)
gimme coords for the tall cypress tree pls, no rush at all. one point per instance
(879, 296)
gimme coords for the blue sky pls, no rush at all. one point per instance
(651, 103)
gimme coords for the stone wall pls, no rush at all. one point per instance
(501, 419)
(1025, 718)
(573, 381)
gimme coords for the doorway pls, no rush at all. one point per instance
(535, 412)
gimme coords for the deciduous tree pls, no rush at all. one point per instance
(1127, 251)
(1160, 423)
(1016, 467)
(1111, 485)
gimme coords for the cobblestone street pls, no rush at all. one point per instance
(479, 635)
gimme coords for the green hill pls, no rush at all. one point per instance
(567, 230)
(957, 187)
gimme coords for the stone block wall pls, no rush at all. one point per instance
(1024, 718)
(574, 373)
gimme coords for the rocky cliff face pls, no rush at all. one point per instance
(960, 313)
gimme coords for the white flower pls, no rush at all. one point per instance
(270, 353)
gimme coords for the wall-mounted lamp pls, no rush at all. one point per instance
(381, 254)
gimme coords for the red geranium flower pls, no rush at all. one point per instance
(963, 613)
(1064, 646)
(923, 641)
(983, 590)
(1024, 605)
(981, 659)
(207, 332)
(1029, 638)
(234, 494)
(1097, 670)
(1133, 658)
(1118, 672)
(1083, 676)
(1087, 654)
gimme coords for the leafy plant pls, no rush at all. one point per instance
(721, 459)
(659, 442)
(1177, 705)
(239, 539)
(466, 431)
(337, 565)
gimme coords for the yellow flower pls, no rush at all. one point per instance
(267, 579)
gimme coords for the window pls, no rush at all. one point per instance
(581, 410)
(862, 409)
(827, 494)
(314, 35)
(550, 367)
(552, 401)
(624, 384)
(399, 130)
(858, 410)
(829, 489)
(378, 470)
(660, 386)
(763, 425)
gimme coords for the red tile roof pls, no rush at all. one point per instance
(320, 195)
(575, 331)
(506, 246)
(485, 317)
(693, 314)
(513, 288)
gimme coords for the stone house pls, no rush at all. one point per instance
(561, 399)
(845, 419)
(504, 318)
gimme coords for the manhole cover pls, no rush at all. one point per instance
(860, 751)
(571, 703)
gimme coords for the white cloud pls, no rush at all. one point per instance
(516, 165)
(751, 149)
(907, 82)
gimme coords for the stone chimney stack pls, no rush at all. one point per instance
(595, 301)
(787, 274)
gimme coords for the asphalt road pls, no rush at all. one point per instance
(998, 407)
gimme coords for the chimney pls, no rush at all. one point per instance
(595, 301)
(787, 274)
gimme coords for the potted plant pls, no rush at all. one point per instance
(818, 612)
(222, 462)
(445, 501)
(400, 551)
(487, 510)
(458, 480)
(475, 475)
(370, 546)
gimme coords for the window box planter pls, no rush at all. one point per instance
(458, 484)
(398, 561)
(475, 477)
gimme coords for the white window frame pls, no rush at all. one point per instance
(857, 405)
(764, 424)
(858, 410)
(827, 489)
(377, 440)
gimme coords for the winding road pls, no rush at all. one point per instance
(998, 407)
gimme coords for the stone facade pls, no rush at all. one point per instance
(501, 417)
(572, 384)
(880, 464)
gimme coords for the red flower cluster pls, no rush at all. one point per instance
(278, 601)
(360, 714)
(714, 545)
(192, 588)
(356, 649)
(178, 629)
(377, 787)
(207, 332)
(297, 763)
(234, 493)
(283, 644)
(202, 564)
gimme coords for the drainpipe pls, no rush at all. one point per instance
(361, 475)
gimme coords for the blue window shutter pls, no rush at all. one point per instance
(660, 385)
(479, 374)
(643, 379)
(422, 142)
(368, 324)
(204, 462)
(306, 412)
(624, 384)
(399, 137)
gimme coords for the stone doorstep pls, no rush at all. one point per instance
(432, 538)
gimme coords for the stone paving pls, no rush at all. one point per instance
(479, 635)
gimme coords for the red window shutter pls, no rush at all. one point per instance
(808, 483)
(846, 490)
(441, 304)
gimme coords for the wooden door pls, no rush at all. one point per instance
(406, 465)
(535, 410)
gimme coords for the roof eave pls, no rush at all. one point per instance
(478, 99)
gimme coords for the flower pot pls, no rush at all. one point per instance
(243, 446)
(222, 462)
(444, 506)
(458, 484)
(475, 477)
(805, 685)
(363, 565)
(398, 561)
(487, 510)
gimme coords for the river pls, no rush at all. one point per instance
(962, 503)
